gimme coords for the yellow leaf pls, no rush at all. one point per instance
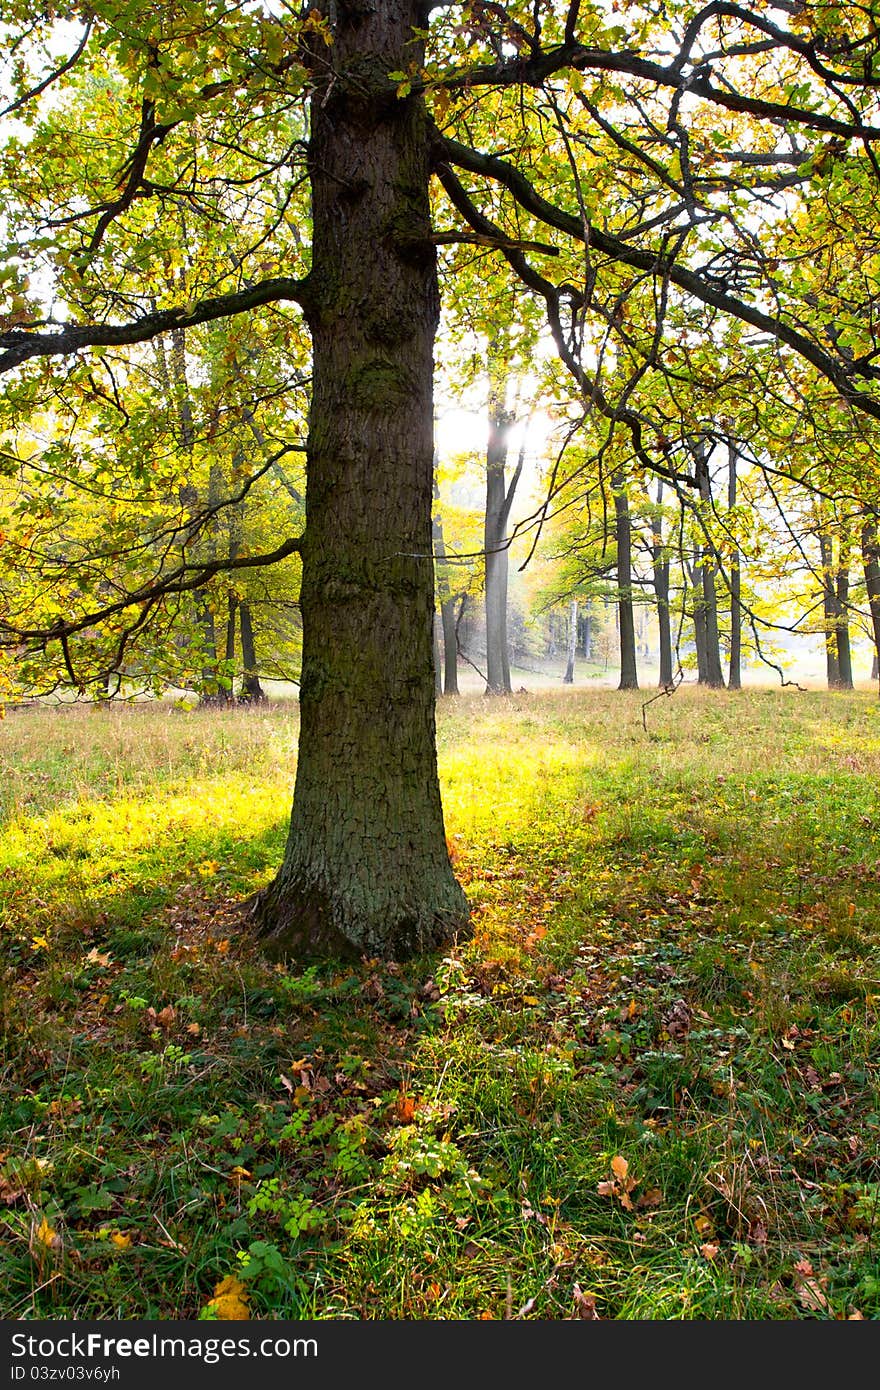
(120, 1240)
(230, 1301)
(46, 1234)
(619, 1166)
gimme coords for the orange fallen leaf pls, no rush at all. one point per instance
(405, 1109)
(619, 1166)
(709, 1251)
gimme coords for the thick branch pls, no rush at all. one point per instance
(20, 344)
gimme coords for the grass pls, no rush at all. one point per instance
(646, 1089)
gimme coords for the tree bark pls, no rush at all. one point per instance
(629, 679)
(660, 561)
(568, 678)
(366, 869)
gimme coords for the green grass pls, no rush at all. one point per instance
(647, 1088)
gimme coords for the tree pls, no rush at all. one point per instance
(560, 92)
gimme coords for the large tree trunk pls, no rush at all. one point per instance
(660, 559)
(629, 679)
(734, 675)
(871, 561)
(366, 869)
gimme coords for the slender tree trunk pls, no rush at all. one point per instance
(499, 498)
(251, 690)
(447, 601)
(450, 645)
(734, 676)
(229, 645)
(829, 603)
(844, 647)
(588, 631)
(629, 679)
(714, 676)
(189, 498)
(660, 560)
(568, 678)
(438, 656)
(366, 869)
(871, 561)
(697, 611)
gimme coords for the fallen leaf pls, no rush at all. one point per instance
(405, 1109)
(652, 1198)
(44, 1237)
(619, 1167)
(120, 1239)
(709, 1251)
(584, 1305)
(94, 957)
(230, 1301)
(810, 1288)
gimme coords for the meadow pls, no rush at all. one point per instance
(647, 1088)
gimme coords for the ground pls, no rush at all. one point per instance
(646, 1089)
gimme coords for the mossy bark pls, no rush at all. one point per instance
(366, 869)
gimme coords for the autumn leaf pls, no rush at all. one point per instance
(584, 1305)
(230, 1301)
(121, 1239)
(44, 1238)
(94, 957)
(709, 1251)
(619, 1167)
(405, 1109)
(810, 1288)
